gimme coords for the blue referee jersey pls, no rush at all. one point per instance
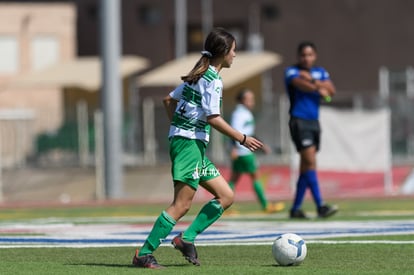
(304, 105)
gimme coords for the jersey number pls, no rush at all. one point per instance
(182, 109)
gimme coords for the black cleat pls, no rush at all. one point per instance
(187, 249)
(146, 261)
(297, 214)
(326, 211)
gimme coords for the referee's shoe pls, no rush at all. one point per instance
(327, 210)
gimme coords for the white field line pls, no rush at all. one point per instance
(203, 244)
(222, 233)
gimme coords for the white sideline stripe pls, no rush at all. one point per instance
(360, 242)
(204, 244)
(223, 233)
(313, 242)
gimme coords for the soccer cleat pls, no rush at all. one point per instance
(274, 207)
(326, 211)
(146, 261)
(187, 249)
(297, 214)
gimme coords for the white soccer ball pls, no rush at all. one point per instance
(289, 249)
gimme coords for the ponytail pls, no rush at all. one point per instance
(198, 71)
(218, 43)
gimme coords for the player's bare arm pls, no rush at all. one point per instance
(218, 123)
(325, 87)
(327, 84)
(304, 74)
(170, 105)
(233, 153)
(304, 84)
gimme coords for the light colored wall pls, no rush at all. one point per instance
(26, 21)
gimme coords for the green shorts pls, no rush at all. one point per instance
(189, 163)
(245, 164)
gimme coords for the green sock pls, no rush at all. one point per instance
(258, 188)
(231, 184)
(160, 230)
(210, 212)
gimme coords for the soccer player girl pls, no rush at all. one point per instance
(306, 85)
(243, 160)
(193, 107)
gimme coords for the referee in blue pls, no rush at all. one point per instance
(306, 85)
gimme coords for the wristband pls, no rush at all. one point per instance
(327, 98)
(244, 139)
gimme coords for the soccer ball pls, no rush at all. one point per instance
(289, 249)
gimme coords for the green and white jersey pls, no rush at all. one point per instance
(195, 103)
(242, 120)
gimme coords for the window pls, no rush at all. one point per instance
(9, 55)
(148, 15)
(44, 52)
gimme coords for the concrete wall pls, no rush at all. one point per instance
(25, 23)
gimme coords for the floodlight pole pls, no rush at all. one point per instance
(206, 17)
(111, 98)
(180, 28)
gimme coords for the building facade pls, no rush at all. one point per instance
(354, 37)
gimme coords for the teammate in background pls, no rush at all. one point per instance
(192, 108)
(244, 160)
(306, 85)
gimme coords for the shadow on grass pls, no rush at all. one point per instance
(281, 266)
(124, 265)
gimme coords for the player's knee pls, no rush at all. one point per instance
(185, 207)
(227, 200)
(180, 208)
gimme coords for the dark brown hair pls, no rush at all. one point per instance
(304, 44)
(240, 95)
(218, 43)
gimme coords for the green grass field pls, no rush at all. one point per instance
(321, 259)
(345, 257)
